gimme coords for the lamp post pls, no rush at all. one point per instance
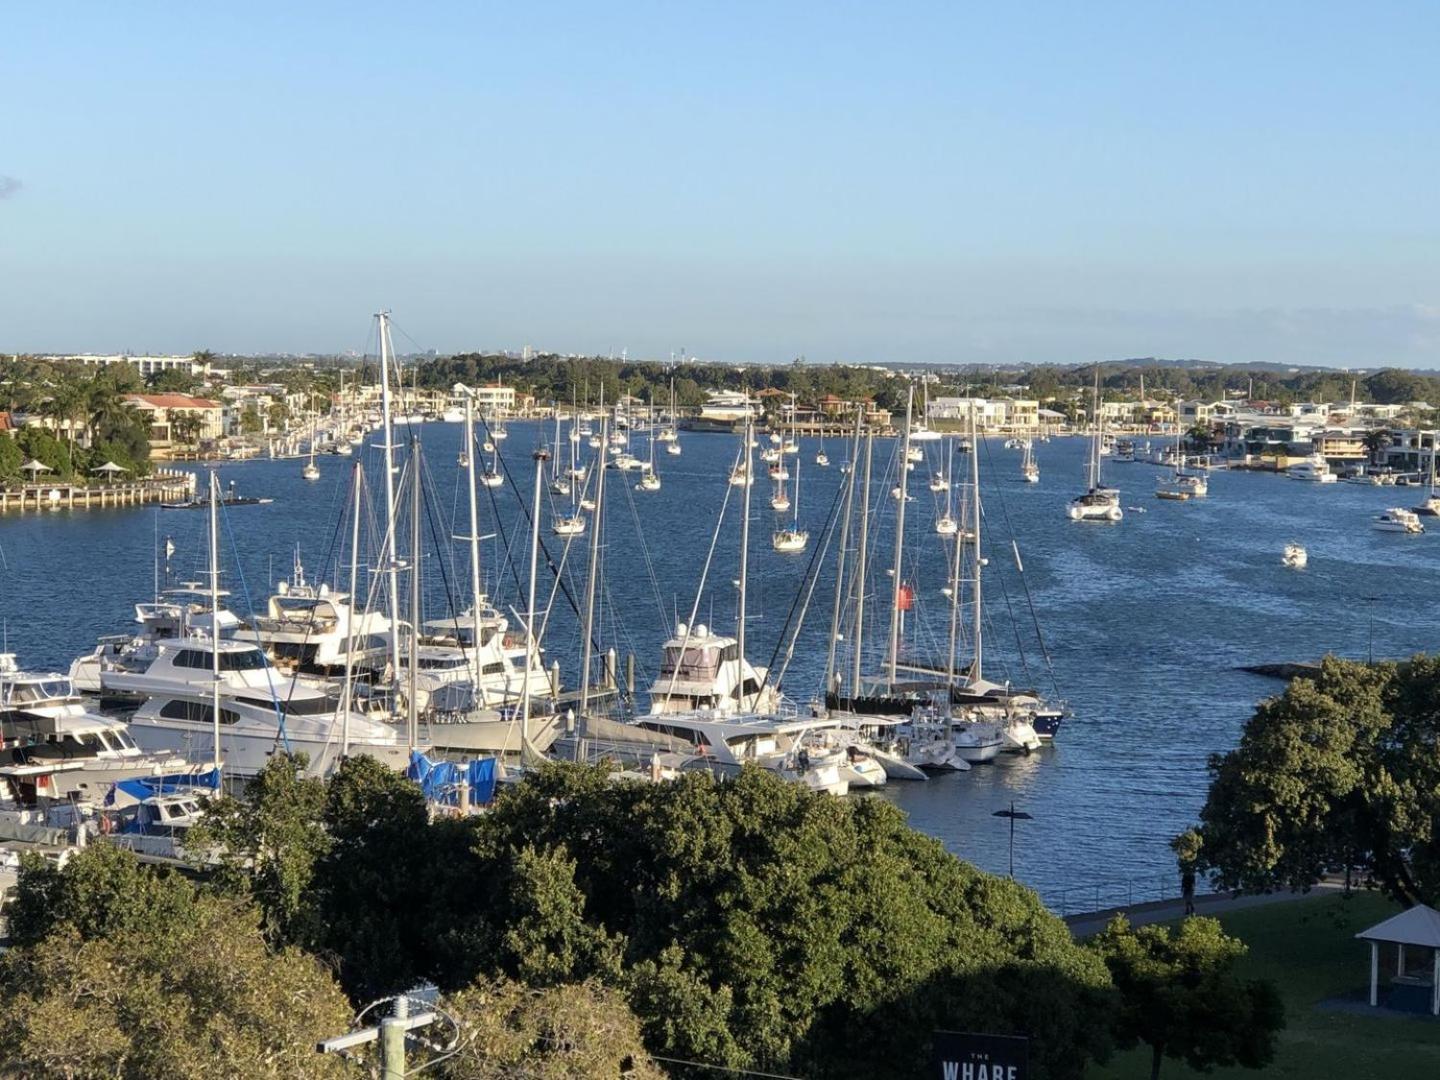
(1370, 612)
(1014, 816)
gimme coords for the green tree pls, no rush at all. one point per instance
(1339, 771)
(44, 447)
(138, 974)
(1180, 996)
(569, 1031)
(184, 426)
(271, 840)
(11, 458)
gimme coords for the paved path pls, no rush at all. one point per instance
(1085, 924)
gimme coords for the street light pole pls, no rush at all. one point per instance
(1014, 816)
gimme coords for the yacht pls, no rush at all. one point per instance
(1398, 520)
(260, 710)
(723, 744)
(306, 627)
(1295, 557)
(1313, 468)
(175, 613)
(570, 525)
(701, 671)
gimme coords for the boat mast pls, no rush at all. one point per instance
(975, 525)
(861, 564)
(474, 532)
(955, 604)
(215, 615)
(388, 433)
(348, 690)
(412, 713)
(745, 549)
(541, 456)
(900, 536)
(831, 682)
(593, 576)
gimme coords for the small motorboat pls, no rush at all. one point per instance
(1397, 519)
(1295, 557)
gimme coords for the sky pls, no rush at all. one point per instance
(879, 182)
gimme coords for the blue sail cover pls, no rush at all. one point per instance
(145, 786)
(440, 780)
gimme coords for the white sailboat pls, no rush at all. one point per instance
(1029, 468)
(311, 471)
(791, 538)
(1098, 503)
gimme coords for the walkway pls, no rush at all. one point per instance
(1212, 904)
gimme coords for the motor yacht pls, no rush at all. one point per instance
(700, 670)
(1314, 468)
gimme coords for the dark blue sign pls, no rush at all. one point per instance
(966, 1056)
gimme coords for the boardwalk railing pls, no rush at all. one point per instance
(1105, 895)
(162, 486)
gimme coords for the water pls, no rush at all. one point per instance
(1146, 622)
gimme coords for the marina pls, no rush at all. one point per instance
(1099, 616)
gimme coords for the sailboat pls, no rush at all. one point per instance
(670, 436)
(821, 458)
(649, 478)
(559, 481)
(792, 538)
(1098, 503)
(341, 444)
(493, 477)
(1029, 468)
(311, 471)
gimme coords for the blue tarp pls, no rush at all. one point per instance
(145, 786)
(440, 780)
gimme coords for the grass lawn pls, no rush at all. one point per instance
(1308, 949)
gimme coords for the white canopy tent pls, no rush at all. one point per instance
(1417, 928)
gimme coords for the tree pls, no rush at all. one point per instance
(569, 1031)
(184, 425)
(271, 840)
(1179, 995)
(763, 926)
(1376, 440)
(1337, 772)
(136, 974)
(37, 443)
(11, 458)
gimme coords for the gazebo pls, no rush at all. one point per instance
(1418, 928)
(110, 469)
(35, 468)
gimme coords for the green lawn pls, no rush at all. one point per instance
(1308, 949)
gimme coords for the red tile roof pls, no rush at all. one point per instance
(5, 423)
(172, 401)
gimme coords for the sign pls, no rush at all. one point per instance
(966, 1056)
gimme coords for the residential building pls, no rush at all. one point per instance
(163, 410)
(147, 365)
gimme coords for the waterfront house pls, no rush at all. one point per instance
(169, 414)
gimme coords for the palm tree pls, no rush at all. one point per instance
(1375, 441)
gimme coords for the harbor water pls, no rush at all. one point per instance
(1142, 625)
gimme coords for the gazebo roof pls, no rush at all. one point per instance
(1418, 926)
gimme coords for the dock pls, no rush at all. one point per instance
(163, 486)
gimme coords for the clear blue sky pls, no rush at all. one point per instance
(1033, 181)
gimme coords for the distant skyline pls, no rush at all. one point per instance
(939, 183)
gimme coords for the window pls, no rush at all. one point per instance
(495, 668)
(246, 660)
(195, 712)
(318, 705)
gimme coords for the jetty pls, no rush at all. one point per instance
(160, 487)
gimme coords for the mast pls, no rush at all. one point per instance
(592, 578)
(474, 530)
(745, 552)
(388, 432)
(861, 565)
(900, 535)
(975, 524)
(215, 615)
(955, 598)
(541, 455)
(412, 715)
(348, 690)
(830, 679)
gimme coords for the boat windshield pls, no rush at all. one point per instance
(39, 690)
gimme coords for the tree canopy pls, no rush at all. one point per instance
(1338, 773)
(1179, 995)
